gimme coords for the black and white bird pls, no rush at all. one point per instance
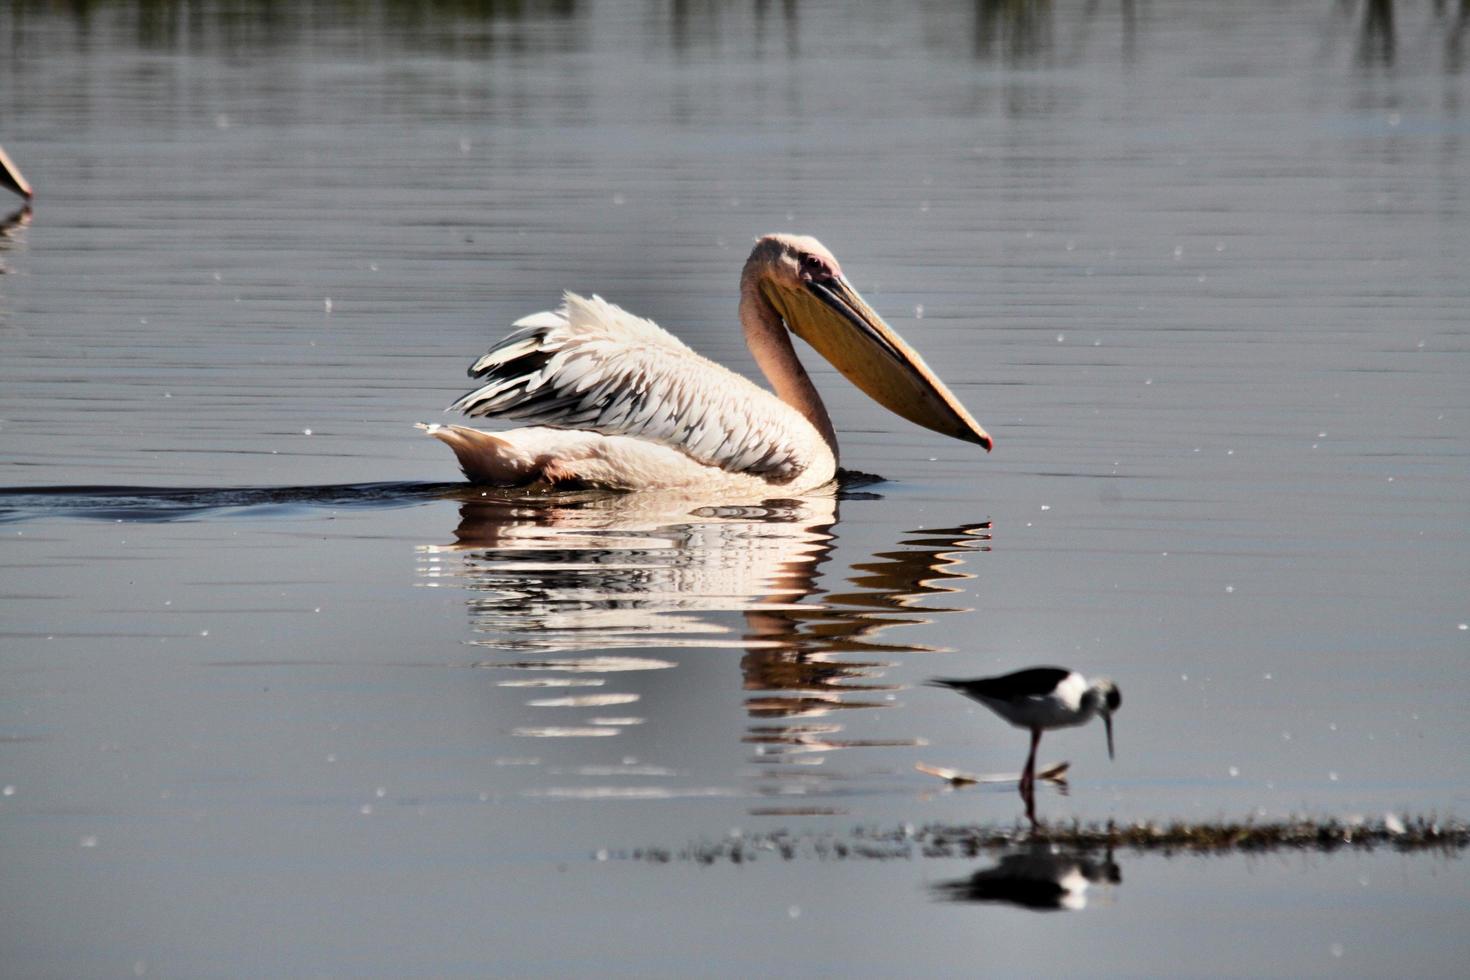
(1038, 699)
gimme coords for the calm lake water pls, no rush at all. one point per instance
(1200, 269)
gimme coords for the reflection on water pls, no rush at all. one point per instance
(641, 572)
(159, 505)
(1376, 44)
(463, 27)
(12, 231)
(607, 572)
(12, 226)
(1017, 33)
(1014, 33)
(1041, 878)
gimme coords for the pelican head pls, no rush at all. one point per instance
(802, 281)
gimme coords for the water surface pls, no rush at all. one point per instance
(281, 696)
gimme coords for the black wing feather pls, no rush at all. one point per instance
(1031, 682)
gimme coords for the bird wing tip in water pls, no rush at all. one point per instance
(952, 776)
(1056, 773)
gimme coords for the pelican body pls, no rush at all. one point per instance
(615, 401)
(1041, 698)
(10, 177)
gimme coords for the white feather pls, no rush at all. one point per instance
(593, 366)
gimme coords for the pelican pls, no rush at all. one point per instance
(10, 177)
(615, 401)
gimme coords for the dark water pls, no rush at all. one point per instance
(281, 697)
(162, 504)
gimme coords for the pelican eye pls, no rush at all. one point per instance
(815, 267)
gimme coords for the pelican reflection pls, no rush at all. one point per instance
(605, 571)
(804, 661)
(573, 593)
(13, 224)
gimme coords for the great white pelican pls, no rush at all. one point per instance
(615, 401)
(10, 177)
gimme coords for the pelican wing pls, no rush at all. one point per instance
(592, 365)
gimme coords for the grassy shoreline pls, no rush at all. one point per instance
(1447, 837)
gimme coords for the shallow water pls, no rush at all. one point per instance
(281, 696)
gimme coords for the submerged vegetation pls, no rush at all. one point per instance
(1419, 834)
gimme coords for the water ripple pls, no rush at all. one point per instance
(158, 505)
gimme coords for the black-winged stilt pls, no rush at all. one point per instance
(1037, 699)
